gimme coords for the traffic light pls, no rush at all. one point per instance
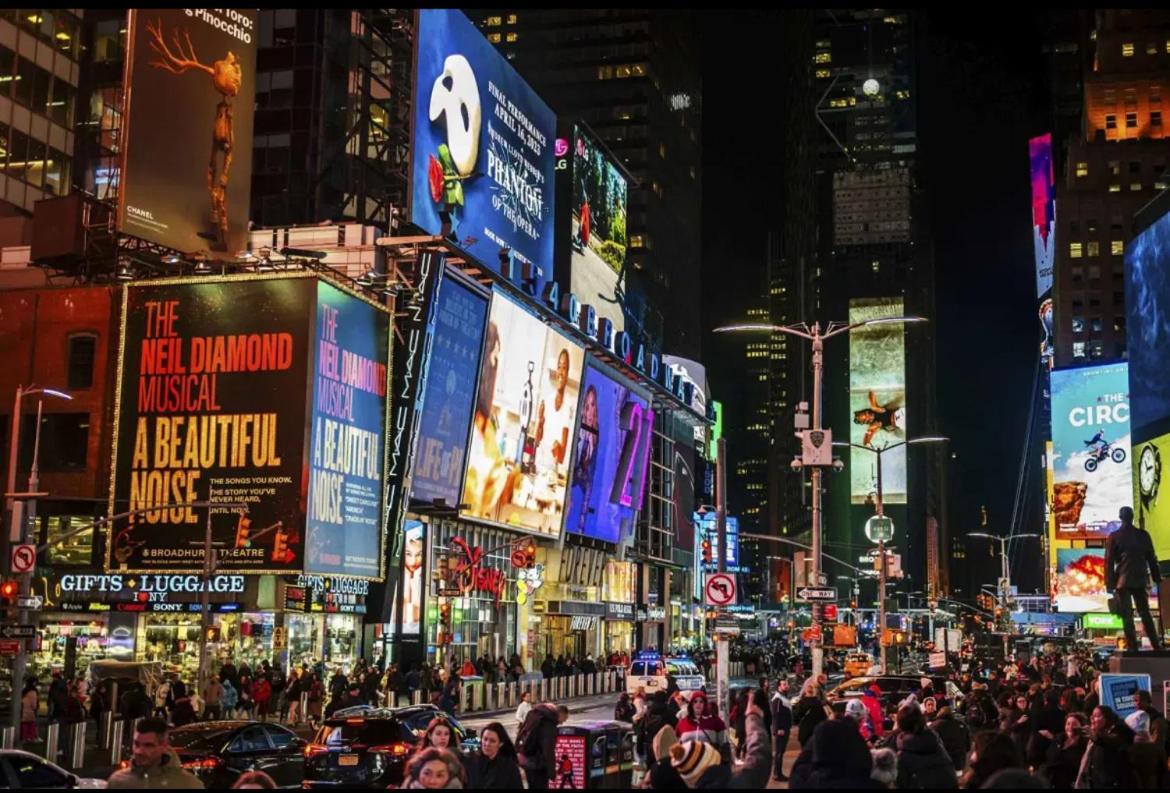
(280, 551)
(9, 590)
(243, 530)
(706, 552)
(445, 622)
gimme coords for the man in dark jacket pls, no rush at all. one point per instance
(781, 707)
(536, 743)
(1129, 553)
(953, 733)
(923, 763)
(836, 757)
(658, 714)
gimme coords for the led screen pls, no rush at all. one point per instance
(598, 230)
(483, 145)
(1080, 580)
(1152, 492)
(1043, 210)
(523, 423)
(877, 400)
(612, 452)
(1091, 466)
(1147, 328)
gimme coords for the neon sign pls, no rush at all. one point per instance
(473, 576)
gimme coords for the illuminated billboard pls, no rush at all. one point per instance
(1151, 492)
(523, 424)
(191, 90)
(1080, 580)
(598, 227)
(265, 391)
(1090, 449)
(707, 528)
(409, 596)
(482, 149)
(877, 400)
(1043, 210)
(611, 459)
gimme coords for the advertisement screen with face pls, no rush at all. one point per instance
(483, 146)
(410, 599)
(523, 424)
(877, 400)
(598, 230)
(192, 86)
(1080, 580)
(612, 452)
(1091, 466)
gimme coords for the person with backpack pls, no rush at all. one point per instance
(536, 743)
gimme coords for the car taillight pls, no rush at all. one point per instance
(396, 749)
(203, 764)
(315, 750)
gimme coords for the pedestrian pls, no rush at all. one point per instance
(885, 767)
(254, 780)
(213, 698)
(29, 702)
(292, 693)
(495, 766)
(183, 712)
(162, 698)
(1129, 553)
(434, 769)
(1107, 762)
(536, 743)
(955, 737)
(810, 710)
(922, 760)
(1148, 758)
(449, 698)
(99, 702)
(660, 774)
(700, 766)
(316, 699)
(261, 696)
(523, 708)
(871, 698)
(229, 699)
(702, 723)
(1062, 762)
(658, 714)
(624, 710)
(835, 757)
(439, 735)
(1159, 731)
(781, 708)
(991, 751)
(153, 764)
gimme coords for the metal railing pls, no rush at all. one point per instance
(480, 696)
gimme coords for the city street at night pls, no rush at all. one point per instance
(626, 398)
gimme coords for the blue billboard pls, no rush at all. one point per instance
(611, 458)
(1147, 328)
(1091, 470)
(347, 451)
(709, 530)
(482, 149)
(448, 393)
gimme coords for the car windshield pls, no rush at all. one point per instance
(199, 739)
(362, 733)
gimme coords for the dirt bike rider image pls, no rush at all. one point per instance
(1100, 450)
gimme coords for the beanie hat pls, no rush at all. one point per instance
(663, 741)
(885, 767)
(692, 758)
(1139, 722)
(856, 709)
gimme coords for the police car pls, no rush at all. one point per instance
(648, 672)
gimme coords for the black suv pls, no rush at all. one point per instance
(368, 747)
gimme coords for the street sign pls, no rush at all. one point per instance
(831, 612)
(816, 447)
(24, 558)
(807, 593)
(726, 623)
(812, 634)
(719, 589)
(279, 638)
(30, 602)
(879, 528)
(18, 631)
(938, 660)
(9, 647)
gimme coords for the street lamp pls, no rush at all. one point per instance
(816, 336)
(1005, 567)
(882, 534)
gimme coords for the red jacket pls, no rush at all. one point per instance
(261, 691)
(875, 712)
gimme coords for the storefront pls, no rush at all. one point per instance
(618, 591)
(322, 621)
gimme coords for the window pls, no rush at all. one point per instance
(1155, 118)
(823, 57)
(1117, 248)
(1119, 324)
(1130, 120)
(1078, 349)
(1151, 48)
(494, 22)
(1075, 250)
(1119, 298)
(1135, 186)
(511, 19)
(494, 38)
(252, 739)
(1078, 324)
(1155, 94)
(511, 37)
(77, 549)
(64, 441)
(823, 74)
(1134, 167)
(1091, 225)
(1110, 121)
(1082, 169)
(32, 772)
(1115, 167)
(1094, 270)
(1096, 349)
(279, 736)
(1096, 324)
(81, 354)
(1093, 248)
(1127, 49)
(1114, 188)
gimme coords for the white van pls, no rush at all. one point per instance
(648, 671)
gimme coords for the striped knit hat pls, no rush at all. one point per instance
(691, 758)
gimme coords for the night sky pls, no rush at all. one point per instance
(982, 92)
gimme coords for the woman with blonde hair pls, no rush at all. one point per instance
(809, 711)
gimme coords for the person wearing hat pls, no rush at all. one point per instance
(855, 709)
(700, 765)
(662, 774)
(872, 699)
(835, 758)
(1149, 759)
(701, 723)
(691, 760)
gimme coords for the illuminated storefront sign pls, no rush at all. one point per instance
(192, 584)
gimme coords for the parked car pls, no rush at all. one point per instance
(218, 752)
(368, 747)
(20, 770)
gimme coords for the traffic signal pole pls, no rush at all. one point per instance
(722, 647)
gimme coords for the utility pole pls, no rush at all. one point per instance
(818, 350)
(881, 574)
(722, 648)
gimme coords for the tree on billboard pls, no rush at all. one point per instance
(226, 77)
(601, 205)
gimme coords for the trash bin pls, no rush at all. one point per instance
(598, 755)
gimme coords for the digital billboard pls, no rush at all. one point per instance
(877, 400)
(482, 151)
(347, 459)
(1080, 580)
(708, 529)
(1090, 459)
(611, 459)
(598, 226)
(1043, 210)
(191, 90)
(523, 423)
(448, 394)
(1151, 495)
(211, 405)
(1147, 328)
(410, 595)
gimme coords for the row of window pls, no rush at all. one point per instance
(621, 70)
(495, 22)
(1109, 95)
(1095, 349)
(30, 160)
(1093, 248)
(1135, 168)
(1131, 119)
(1096, 324)
(53, 26)
(1128, 48)
(35, 88)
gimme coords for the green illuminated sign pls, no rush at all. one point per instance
(1103, 621)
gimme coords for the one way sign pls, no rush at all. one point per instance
(806, 593)
(18, 631)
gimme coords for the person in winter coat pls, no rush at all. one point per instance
(153, 765)
(523, 708)
(991, 751)
(1149, 759)
(662, 775)
(229, 699)
(810, 710)
(835, 758)
(536, 743)
(316, 698)
(702, 724)
(658, 714)
(700, 764)
(955, 737)
(1048, 720)
(979, 709)
(1062, 763)
(494, 766)
(162, 695)
(435, 769)
(1107, 762)
(1159, 730)
(624, 710)
(922, 760)
(871, 698)
(262, 696)
(781, 708)
(29, 701)
(183, 712)
(213, 698)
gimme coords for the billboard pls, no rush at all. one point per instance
(211, 404)
(611, 458)
(1147, 328)
(191, 85)
(448, 392)
(598, 238)
(1090, 449)
(524, 421)
(1152, 495)
(708, 529)
(1080, 580)
(877, 400)
(409, 597)
(482, 148)
(347, 460)
(1043, 211)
